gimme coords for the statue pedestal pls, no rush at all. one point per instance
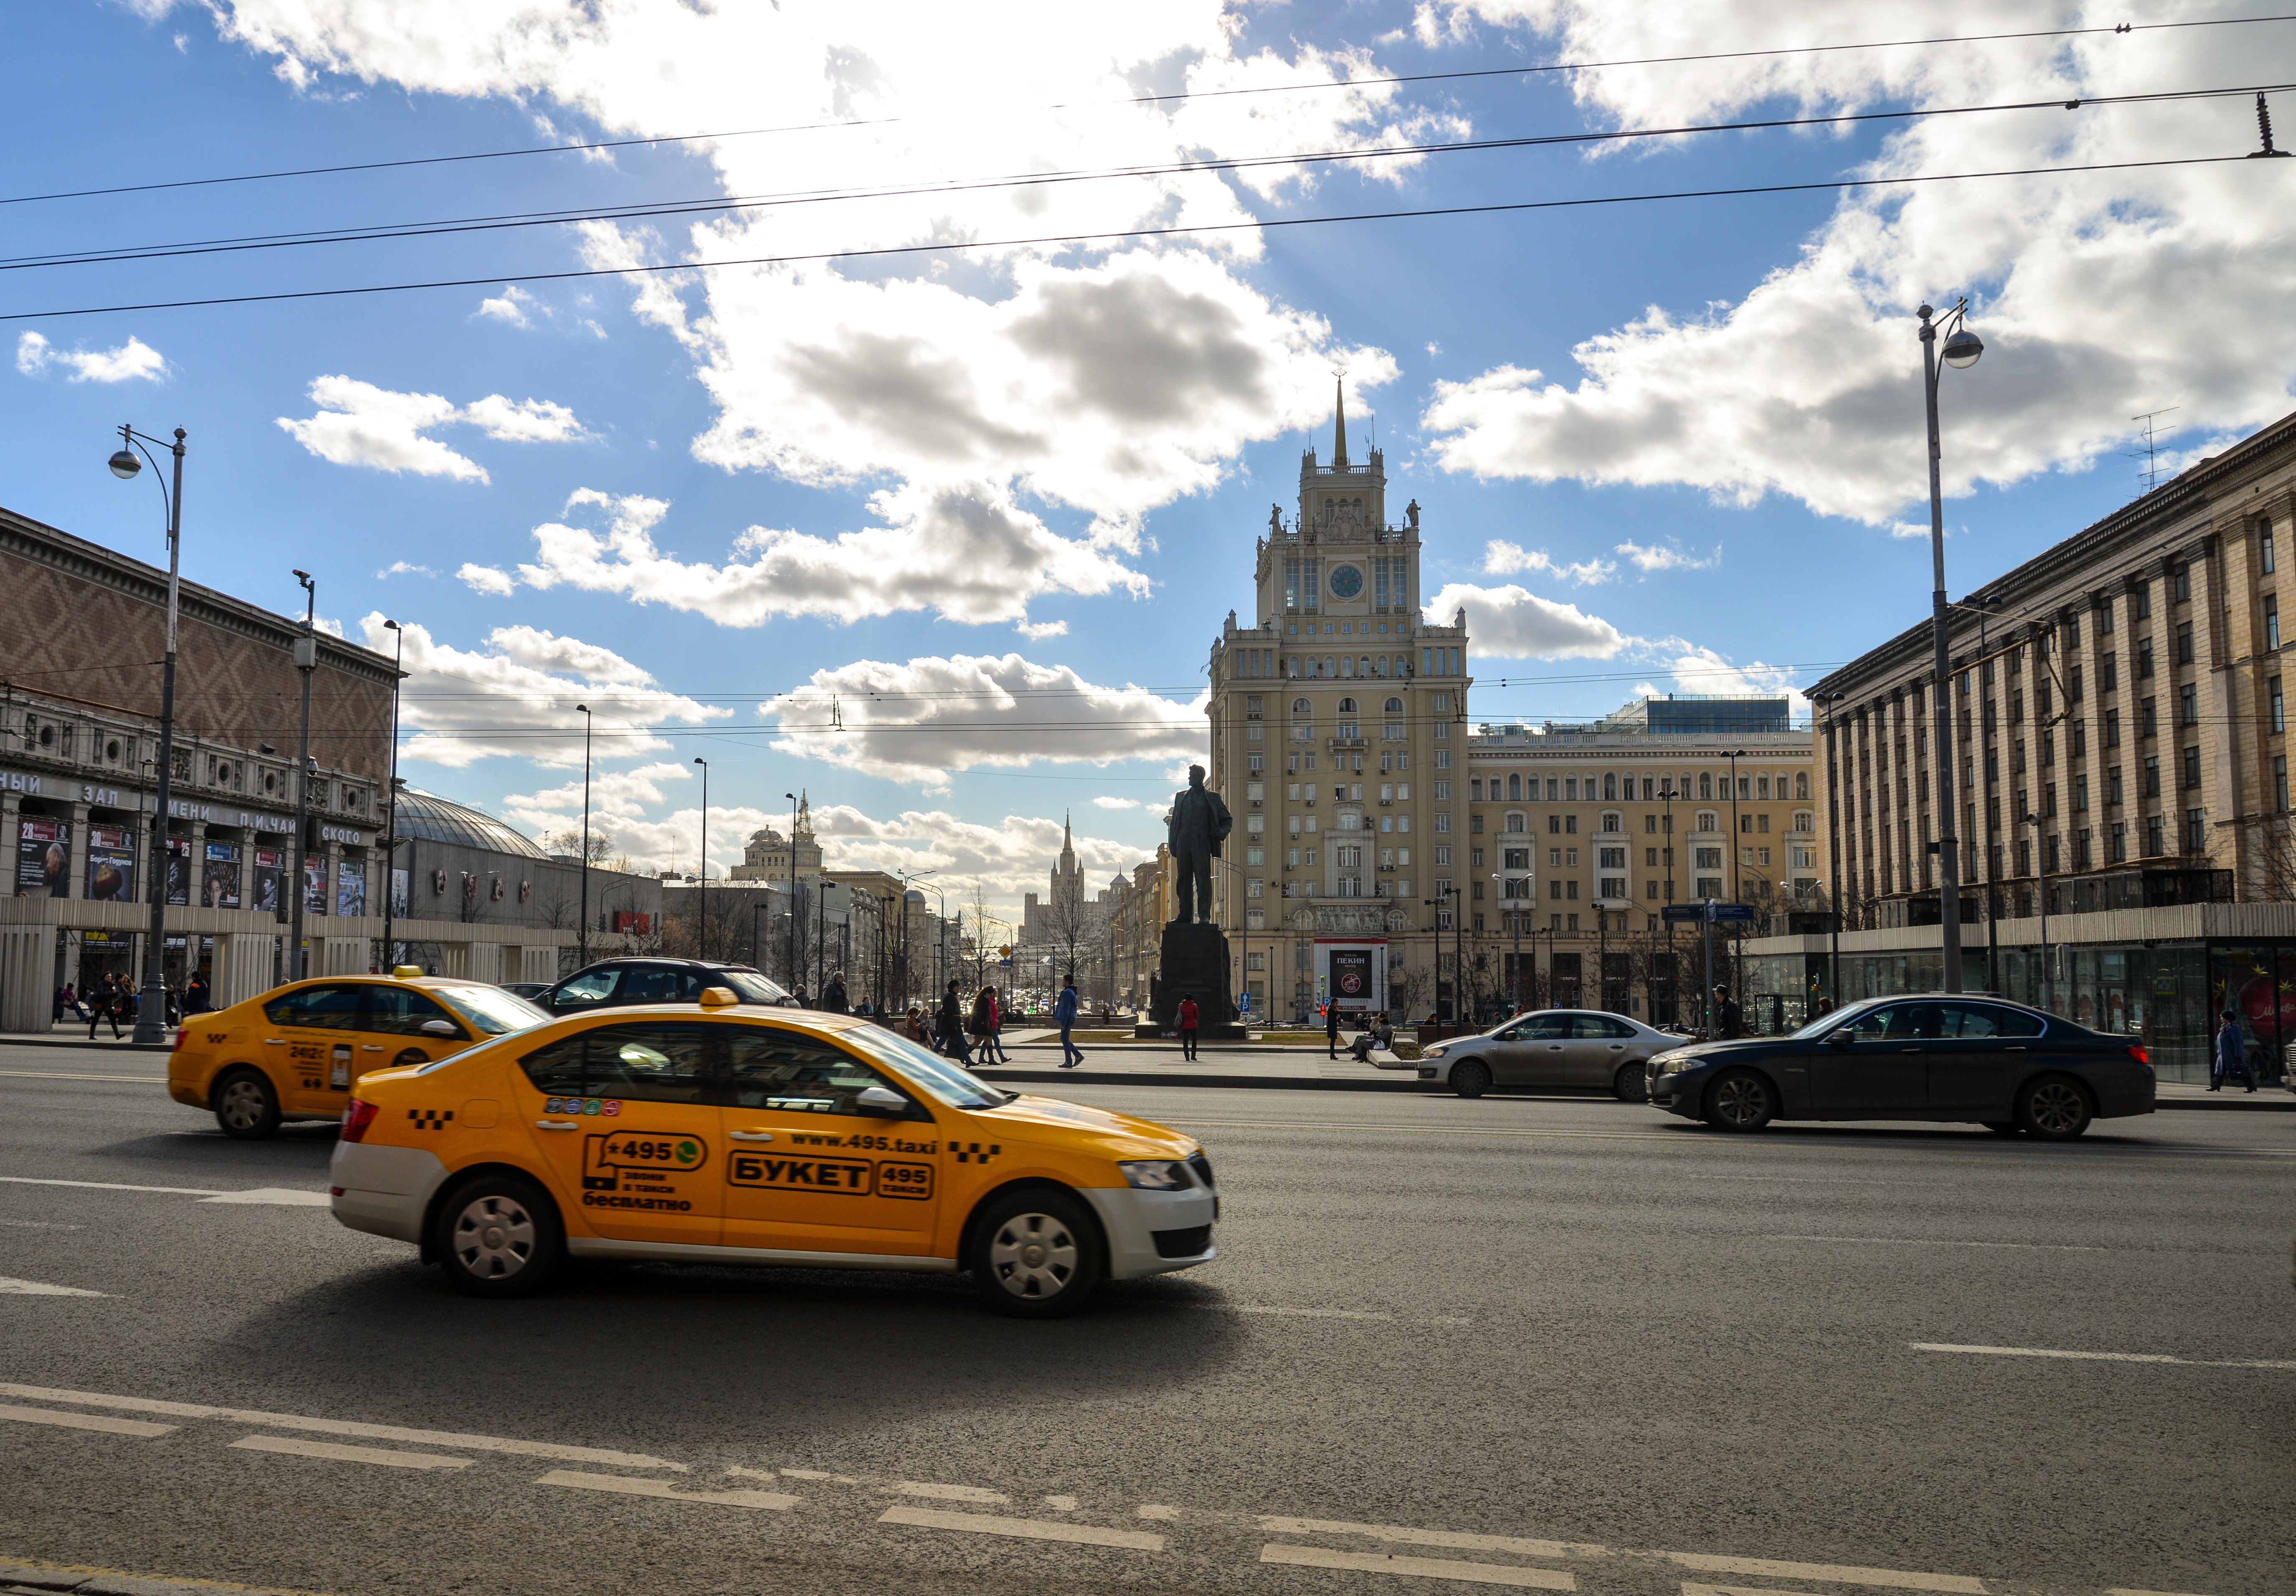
(1194, 965)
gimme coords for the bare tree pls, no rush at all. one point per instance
(570, 843)
(1072, 928)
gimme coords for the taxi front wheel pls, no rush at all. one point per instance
(499, 1236)
(246, 1108)
(1037, 1253)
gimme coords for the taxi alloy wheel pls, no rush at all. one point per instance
(1039, 1255)
(246, 1108)
(2053, 1108)
(1739, 1100)
(499, 1238)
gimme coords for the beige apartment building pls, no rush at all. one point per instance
(2120, 757)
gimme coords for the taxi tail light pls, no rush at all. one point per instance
(183, 1035)
(356, 1119)
(2137, 1051)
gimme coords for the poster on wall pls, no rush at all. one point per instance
(263, 879)
(314, 884)
(219, 888)
(111, 865)
(398, 893)
(179, 870)
(350, 887)
(1351, 976)
(44, 858)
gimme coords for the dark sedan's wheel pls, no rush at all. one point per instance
(2002, 1128)
(1632, 1083)
(2053, 1108)
(246, 1108)
(1740, 1100)
(500, 1237)
(1471, 1079)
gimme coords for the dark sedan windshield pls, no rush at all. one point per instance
(1835, 1019)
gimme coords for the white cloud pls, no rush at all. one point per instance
(917, 721)
(1040, 630)
(1105, 802)
(2098, 295)
(400, 568)
(1699, 669)
(1669, 556)
(515, 305)
(1503, 559)
(486, 578)
(1512, 621)
(130, 361)
(466, 705)
(361, 424)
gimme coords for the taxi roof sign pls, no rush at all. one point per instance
(406, 972)
(718, 997)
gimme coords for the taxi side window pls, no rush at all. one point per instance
(402, 1011)
(591, 987)
(639, 1063)
(793, 1072)
(331, 1008)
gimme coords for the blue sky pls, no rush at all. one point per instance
(712, 503)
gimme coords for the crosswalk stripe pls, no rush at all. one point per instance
(14, 1288)
(624, 1485)
(1025, 1529)
(96, 1421)
(1420, 1567)
(1892, 1578)
(334, 1451)
(1458, 1540)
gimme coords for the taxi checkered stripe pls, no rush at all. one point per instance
(971, 1153)
(430, 1119)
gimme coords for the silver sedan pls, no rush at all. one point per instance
(1586, 1049)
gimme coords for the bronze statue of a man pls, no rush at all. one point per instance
(1199, 824)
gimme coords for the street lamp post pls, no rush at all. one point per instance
(1961, 351)
(582, 929)
(390, 801)
(152, 1010)
(306, 661)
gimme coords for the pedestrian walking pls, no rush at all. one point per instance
(1189, 1016)
(834, 999)
(997, 1026)
(800, 995)
(2231, 1055)
(952, 1026)
(195, 995)
(1064, 1015)
(105, 1006)
(1727, 1020)
(1331, 1030)
(979, 1022)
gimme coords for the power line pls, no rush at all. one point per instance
(712, 205)
(886, 251)
(1316, 85)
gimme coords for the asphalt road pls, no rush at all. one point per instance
(1540, 1344)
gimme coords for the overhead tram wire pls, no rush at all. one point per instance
(1535, 70)
(713, 205)
(889, 251)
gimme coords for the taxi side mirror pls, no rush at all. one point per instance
(441, 1028)
(1841, 1038)
(881, 1099)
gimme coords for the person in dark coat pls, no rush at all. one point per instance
(104, 1004)
(952, 1026)
(834, 999)
(1331, 1030)
(1064, 1015)
(2230, 1056)
(1728, 1022)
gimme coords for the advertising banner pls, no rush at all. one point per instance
(638, 924)
(314, 884)
(263, 879)
(219, 888)
(179, 870)
(111, 865)
(350, 887)
(1351, 975)
(398, 893)
(44, 858)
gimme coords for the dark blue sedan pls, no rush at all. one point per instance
(1934, 1057)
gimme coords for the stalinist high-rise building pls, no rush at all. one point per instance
(1338, 739)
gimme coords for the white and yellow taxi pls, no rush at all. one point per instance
(726, 1135)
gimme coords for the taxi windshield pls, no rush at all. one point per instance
(928, 1070)
(490, 1011)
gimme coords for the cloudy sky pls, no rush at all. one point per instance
(887, 412)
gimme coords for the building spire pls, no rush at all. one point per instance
(1339, 422)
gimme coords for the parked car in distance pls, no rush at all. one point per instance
(1983, 1060)
(1582, 1048)
(613, 982)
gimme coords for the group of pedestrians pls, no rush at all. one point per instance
(114, 998)
(947, 1029)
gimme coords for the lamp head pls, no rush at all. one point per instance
(704, 762)
(304, 577)
(581, 709)
(123, 464)
(391, 625)
(1962, 349)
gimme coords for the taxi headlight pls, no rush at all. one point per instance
(1158, 1175)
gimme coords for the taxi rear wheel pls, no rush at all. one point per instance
(246, 1108)
(499, 1236)
(1037, 1253)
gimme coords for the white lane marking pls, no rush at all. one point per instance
(112, 1427)
(622, 1485)
(1025, 1529)
(1153, 1511)
(56, 1075)
(1931, 1241)
(1061, 1504)
(26, 1179)
(340, 1427)
(2120, 1592)
(281, 1197)
(841, 1479)
(926, 1488)
(1420, 1567)
(334, 1452)
(38, 1224)
(1458, 1540)
(1312, 1313)
(2106, 1357)
(1901, 1579)
(9, 1288)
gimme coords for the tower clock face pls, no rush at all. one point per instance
(1346, 581)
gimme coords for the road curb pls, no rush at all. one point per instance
(88, 1047)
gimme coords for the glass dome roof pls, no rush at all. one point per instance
(426, 814)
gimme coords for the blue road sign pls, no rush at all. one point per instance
(1722, 911)
(1681, 911)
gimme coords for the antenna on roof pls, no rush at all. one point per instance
(2150, 470)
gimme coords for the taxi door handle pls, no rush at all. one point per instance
(749, 1135)
(370, 1047)
(275, 1042)
(559, 1125)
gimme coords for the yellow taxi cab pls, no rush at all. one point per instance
(725, 1135)
(296, 1052)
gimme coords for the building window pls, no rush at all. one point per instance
(2117, 844)
(2192, 768)
(2140, 599)
(2144, 657)
(2278, 721)
(2113, 785)
(2188, 705)
(2264, 546)
(2147, 721)
(2152, 829)
(2180, 582)
(2104, 616)
(2183, 643)
(2113, 728)
(2108, 673)
(2280, 782)
(2081, 795)
(2197, 831)
(2079, 746)
(2073, 685)
(2153, 776)
(2271, 621)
